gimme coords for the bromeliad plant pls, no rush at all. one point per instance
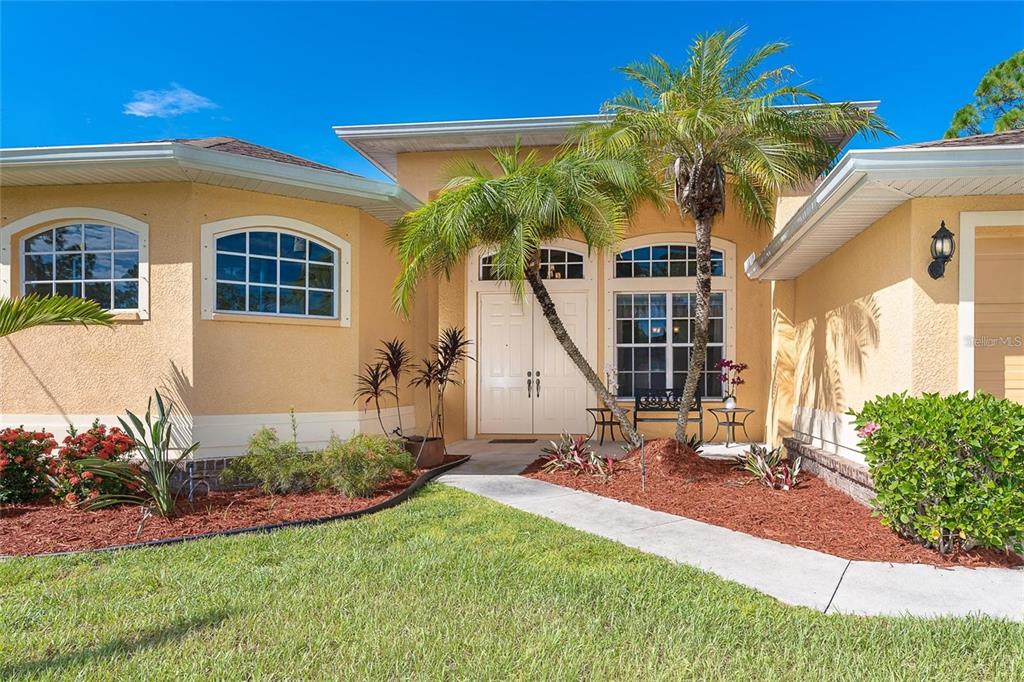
(574, 455)
(150, 484)
(769, 468)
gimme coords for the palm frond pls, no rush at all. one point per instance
(18, 314)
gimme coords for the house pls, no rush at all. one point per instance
(263, 285)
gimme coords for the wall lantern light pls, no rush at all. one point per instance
(942, 251)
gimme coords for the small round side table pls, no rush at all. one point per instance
(730, 418)
(604, 418)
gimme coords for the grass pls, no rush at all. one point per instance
(448, 586)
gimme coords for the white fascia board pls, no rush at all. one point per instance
(185, 157)
(86, 154)
(858, 167)
(494, 125)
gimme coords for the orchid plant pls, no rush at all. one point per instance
(730, 375)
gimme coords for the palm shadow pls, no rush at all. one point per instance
(143, 640)
(839, 345)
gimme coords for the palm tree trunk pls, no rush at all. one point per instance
(694, 375)
(547, 307)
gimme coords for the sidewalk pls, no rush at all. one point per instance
(791, 574)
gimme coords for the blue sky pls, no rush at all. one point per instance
(282, 75)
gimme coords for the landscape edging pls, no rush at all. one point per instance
(392, 501)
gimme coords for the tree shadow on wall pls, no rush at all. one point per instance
(828, 349)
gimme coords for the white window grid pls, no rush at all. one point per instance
(660, 319)
(76, 286)
(664, 260)
(247, 284)
(554, 264)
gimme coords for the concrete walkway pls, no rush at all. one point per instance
(791, 574)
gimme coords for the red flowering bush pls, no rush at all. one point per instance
(23, 464)
(72, 486)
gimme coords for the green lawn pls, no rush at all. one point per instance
(449, 586)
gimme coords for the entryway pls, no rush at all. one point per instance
(526, 381)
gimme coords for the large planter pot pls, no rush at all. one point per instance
(426, 455)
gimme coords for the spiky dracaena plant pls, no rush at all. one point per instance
(371, 386)
(587, 194)
(452, 349)
(396, 358)
(715, 128)
(425, 376)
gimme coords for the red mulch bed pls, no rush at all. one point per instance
(41, 527)
(812, 515)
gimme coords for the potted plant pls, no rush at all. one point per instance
(436, 375)
(731, 378)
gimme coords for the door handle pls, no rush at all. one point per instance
(538, 384)
(529, 385)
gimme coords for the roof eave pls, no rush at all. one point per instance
(186, 158)
(858, 167)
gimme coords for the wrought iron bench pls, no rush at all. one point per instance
(663, 400)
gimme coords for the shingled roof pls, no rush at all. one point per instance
(1007, 137)
(232, 145)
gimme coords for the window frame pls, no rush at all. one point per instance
(31, 225)
(583, 262)
(341, 249)
(669, 345)
(725, 284)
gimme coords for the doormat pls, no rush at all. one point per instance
(513, 440)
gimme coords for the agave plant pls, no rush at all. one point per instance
(150, 483)
(372, 386)
(768, 467)
(395, 357)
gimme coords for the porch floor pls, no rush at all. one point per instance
(513, 455)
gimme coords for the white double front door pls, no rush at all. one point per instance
(527, 383)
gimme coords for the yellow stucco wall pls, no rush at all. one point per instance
(91, 371)
(868, 320)
(424, 173)
(211, 367)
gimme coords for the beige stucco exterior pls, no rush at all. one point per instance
(863, 321)
(424, 173)
(868, 320)
(229, 373)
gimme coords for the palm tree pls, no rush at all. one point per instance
(714, 128)
(17, 314)
(581, 192)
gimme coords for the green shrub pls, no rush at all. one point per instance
(276, 466)
(948, 471)
(357, 467)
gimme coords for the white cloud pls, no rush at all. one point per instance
(174, 101)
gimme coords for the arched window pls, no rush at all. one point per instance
(275, 272)
(554, 264)
(97, 261)
(665, 260)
